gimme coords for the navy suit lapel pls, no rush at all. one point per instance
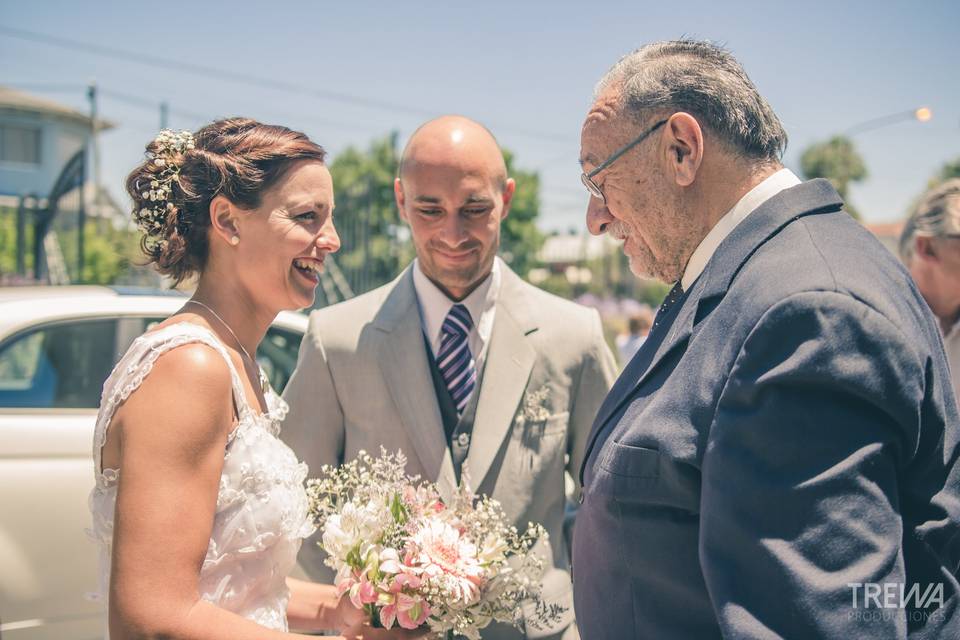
(808, 198)
(671, 332)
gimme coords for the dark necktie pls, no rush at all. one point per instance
(668, 302)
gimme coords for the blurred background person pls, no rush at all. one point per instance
(930, 247)
(637, 329)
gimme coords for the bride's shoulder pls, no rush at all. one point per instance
(183, 356)
(193, 365)
(190, 386)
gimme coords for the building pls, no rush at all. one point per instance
(37, 138)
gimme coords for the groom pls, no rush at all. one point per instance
(459, 363)
(779, 459)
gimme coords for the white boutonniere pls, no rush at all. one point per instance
(535, 406)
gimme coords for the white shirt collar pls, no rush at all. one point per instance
(435, 305)
(771, 186)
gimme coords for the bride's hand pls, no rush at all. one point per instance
(363, 631)
(348, 616)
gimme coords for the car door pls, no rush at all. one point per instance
(51, 376)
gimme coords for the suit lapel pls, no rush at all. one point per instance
(403, 363)
(510, 359)
(644, 363)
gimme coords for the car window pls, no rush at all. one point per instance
(277, 355)
(59, 365)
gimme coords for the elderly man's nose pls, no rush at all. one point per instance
(598, 216)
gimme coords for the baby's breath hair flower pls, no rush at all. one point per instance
(167, 147)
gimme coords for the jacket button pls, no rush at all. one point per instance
(580, 499)
(463, 439)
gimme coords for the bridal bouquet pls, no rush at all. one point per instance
(409, 559)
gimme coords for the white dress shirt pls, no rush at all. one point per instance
(774, 184)
(481, 303)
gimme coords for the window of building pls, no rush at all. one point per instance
(19, 144)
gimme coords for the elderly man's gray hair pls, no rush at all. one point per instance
(702, 79)
(937, 216)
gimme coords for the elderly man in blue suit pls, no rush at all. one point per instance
(779, 458)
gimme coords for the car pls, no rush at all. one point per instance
(57, 347)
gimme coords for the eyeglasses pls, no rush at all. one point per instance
(587, 178)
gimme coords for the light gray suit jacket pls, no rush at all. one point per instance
(363, 381)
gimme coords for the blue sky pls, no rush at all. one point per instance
(526, 69)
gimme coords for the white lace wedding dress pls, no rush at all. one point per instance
(261, 514)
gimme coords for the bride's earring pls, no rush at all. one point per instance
(235, 240)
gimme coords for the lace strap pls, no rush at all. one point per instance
(138, 362)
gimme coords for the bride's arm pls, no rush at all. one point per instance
(173, 431)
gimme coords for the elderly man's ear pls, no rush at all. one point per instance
(684, 148)
(925, 249)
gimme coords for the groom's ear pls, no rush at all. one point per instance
(223, 219)
(399, 197)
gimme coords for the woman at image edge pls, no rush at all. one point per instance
(199, 508)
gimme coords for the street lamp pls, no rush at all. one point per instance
(920, 114)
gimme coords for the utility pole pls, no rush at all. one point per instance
(164, 115)
(94, 138)
(95, 158)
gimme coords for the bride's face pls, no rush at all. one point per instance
(284, 241)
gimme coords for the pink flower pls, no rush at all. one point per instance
(412, 611)
(344, 585)
(363, 592)
(405, 580)
(441, 551)
(346, 578)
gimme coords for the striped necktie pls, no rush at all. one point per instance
(456, 364)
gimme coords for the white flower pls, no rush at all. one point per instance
(494, 550)
(351, 527)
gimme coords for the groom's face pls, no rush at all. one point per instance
(454, 204)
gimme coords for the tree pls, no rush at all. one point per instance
(375, 245)
(949, 170)
(108, 251)
(520, 239)
(836, 160)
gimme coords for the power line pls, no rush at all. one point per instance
(206, 117)
(240, 78)
(155, 105)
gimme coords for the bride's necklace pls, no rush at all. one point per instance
(263, 380)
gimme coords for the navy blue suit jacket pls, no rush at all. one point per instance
(787, 432)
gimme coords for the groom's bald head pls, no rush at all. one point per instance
(454, 142)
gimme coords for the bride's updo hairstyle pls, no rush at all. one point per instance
(238, 158)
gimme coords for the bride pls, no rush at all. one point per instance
(199, 508)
